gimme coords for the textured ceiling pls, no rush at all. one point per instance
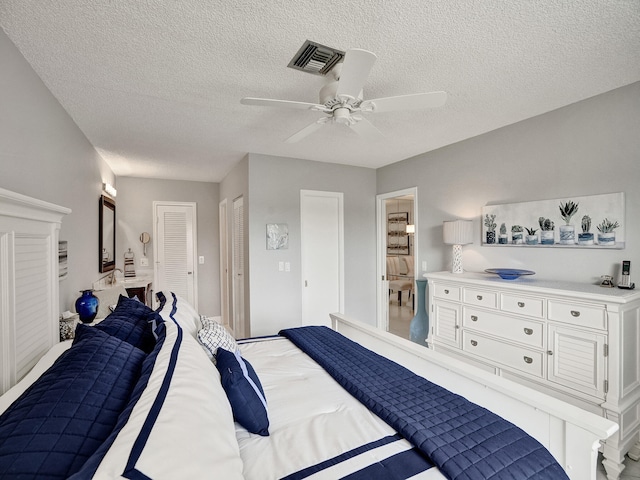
(155, 85)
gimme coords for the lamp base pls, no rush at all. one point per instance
(457, 259)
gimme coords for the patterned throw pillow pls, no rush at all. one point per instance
(212, 336)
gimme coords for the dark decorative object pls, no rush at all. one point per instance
(489, 222)
(87, 306)
(419, 326)
(509, 273)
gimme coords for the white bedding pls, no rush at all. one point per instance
(312, 418)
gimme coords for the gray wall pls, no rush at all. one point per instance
(134, 213)
(43, 154)
(590, 147)
(274, 186)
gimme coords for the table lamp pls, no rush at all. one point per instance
(457, 233)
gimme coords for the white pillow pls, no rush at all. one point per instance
(185, 315)
(212, 336)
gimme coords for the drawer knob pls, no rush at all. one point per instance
(474, 343)
(474, 318)
(549, 352)
(457, 326)
(446, 291)
(521, 304)
(528, 359)
(479, 297)
(528, 331)
(575, 313)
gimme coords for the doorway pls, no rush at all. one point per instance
(397, 259)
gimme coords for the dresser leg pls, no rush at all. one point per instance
(634, 452)
(613, 468)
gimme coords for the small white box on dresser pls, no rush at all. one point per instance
(578, 342)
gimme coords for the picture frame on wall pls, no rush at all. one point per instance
(397, 236)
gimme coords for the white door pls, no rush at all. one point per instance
(224, 263)
(322, 247)
(175, 249)
(238, 267)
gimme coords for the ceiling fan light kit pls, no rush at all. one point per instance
(341, 98)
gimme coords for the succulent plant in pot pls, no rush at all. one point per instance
(567, 231)
(546, 231)
(503, 237)
(490, 224)
(532, 236)
(607, 234)
(516, 234)
(586, 237)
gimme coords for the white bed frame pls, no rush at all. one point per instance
(28, 283)
(571, 434)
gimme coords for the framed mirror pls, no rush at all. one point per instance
(107, 234)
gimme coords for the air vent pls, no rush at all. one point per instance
(315, 58)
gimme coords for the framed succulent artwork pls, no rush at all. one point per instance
(591, 221)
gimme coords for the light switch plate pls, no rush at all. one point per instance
(144, 262)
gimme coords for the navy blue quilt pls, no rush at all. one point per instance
(58, 422)
(464, 440)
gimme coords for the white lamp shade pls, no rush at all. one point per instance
(458, 232)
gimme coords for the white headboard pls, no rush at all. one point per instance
(28, 282)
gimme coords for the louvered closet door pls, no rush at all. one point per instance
(238, 267)
(176, 249)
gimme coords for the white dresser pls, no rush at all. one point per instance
(578, 342)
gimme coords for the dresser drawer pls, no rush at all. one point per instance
(481, 298)
(514, 329)
(511, 356)
(446, 292)
(523, 305)
(585, 315)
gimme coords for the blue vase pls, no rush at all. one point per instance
(87, 306)
(419, 326)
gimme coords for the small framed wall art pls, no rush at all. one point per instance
(277, 236)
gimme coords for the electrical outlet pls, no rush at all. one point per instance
(424, 265)
(201, 259)
(144, 262)
(281, 266)
(287, 266)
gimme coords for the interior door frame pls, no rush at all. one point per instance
(382, 297)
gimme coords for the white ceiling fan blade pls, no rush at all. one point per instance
(308, 130)
(366, 129)
(268, 102)
(415, 101)
(355, 69)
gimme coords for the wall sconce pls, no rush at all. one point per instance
(109, 189)
(457, 233)
(411, 229)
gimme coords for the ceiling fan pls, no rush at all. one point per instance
(341, 99)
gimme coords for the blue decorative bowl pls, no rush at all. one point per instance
(509, 273)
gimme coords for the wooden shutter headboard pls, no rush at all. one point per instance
(28, 282)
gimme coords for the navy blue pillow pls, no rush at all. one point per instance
(59, 421)
(130, 322)
(244, 391)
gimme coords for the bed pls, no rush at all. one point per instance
(138, 396)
